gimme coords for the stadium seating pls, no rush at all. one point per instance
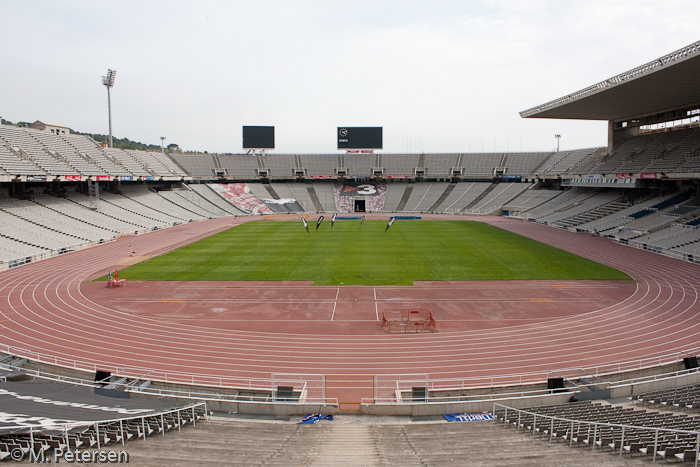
(529, 199)
(325, 195)
(207, 193)
(561, 162)
(399, 164)
(553, 208)
(495, 199)
(418, 194)
(12, 163)
(87, 146)
(83, 164)
(150, 204)
(71, 209)
(125, 159)
(462, 196)
(394, 194)
(440, 165)
(21, 230)
(43, 216)
(31, 149)
(239, 166)
(360, 165)
(319, 165)
(16, 252)
(526, 163)
(192, 202)
(674, 236)
(198, 166)
(622, 430)
(482, 165)
(280, 166)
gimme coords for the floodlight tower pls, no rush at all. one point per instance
(108, 82)
(558, 137)
(162, 145)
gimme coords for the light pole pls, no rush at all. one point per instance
(558, 137)
(162, 144)
(108, 82)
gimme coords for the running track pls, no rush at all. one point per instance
(44, 313)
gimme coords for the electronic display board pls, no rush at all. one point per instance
(360, 137)
(258, 137)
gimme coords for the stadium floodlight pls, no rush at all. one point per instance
(558, 137)
(162, 143)
(108, 82)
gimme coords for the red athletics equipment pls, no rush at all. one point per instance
(408, 321)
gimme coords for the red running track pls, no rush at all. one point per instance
(44, 313)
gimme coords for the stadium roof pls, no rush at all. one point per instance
(664, 84)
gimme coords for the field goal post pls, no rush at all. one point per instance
(408, 320)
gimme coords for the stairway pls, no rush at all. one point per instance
(314, 197)
(404, 198)
(442, 197)
(483, 195)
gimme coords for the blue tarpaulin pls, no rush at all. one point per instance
(314, 418)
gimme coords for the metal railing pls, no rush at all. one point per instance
(263, 384)
(596, 426)
(183, 413)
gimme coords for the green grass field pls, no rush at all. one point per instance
(351, 254)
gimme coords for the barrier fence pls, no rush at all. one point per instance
(311, 387)
(593, 429)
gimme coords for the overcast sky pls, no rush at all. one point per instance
(439, 76)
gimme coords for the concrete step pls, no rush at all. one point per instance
(359, 441)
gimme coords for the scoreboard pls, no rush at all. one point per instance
(258, 137)
(360, 137)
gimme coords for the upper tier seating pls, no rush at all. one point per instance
(83, 164)
(22, 142)
(440, 165)
(398, 164)
(86, 145)
(125, 159)
(196, 165)
(11, 162)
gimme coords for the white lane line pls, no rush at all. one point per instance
(333, 314)
(376, 309)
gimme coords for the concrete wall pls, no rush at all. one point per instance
(409, 409)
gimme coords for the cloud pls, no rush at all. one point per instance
(439, 76)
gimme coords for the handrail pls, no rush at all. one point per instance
(552, 418)
(264, 384)
(76, 424)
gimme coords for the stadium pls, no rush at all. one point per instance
(97, 245)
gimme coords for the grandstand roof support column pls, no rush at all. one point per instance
(615, 135)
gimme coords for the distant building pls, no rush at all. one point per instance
(53, 128)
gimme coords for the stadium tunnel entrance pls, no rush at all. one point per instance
(359, 205)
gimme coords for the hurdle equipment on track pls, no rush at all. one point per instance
(408, 321)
